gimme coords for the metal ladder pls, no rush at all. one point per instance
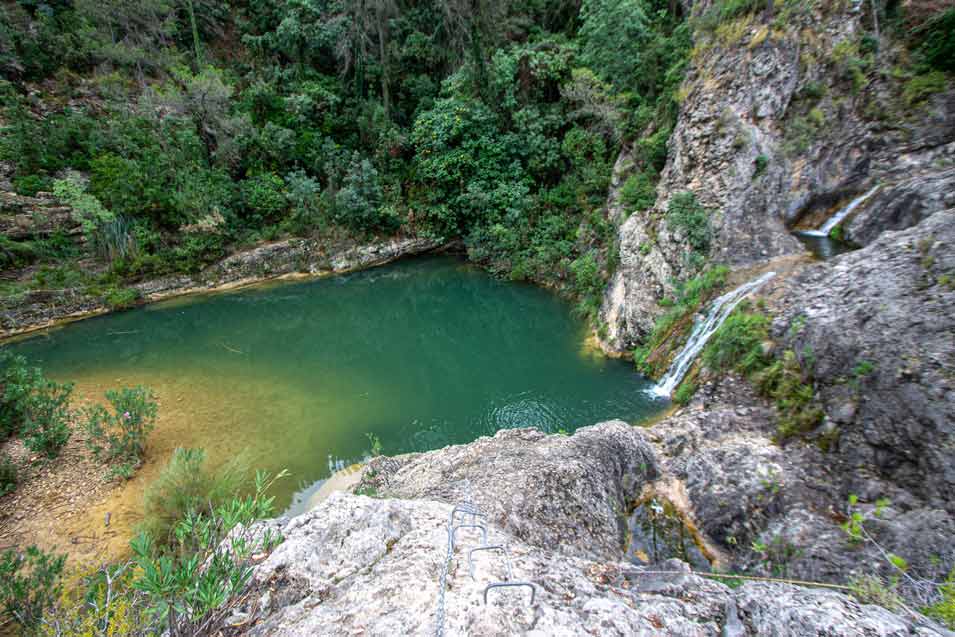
(471, 517)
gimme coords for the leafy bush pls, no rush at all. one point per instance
(589, 282)
(120, 436)
(8, 474)
(186, 484)
(789, 386)
(921, 87)
(686, 216)
(87, 207)
(944, 609)
(937, 41)
(46, 425)
(263, 197)
(18, 382)
(120, 298)
(189, 589)
(358, 204)
(29, 584)
(738, 343)
(639, 191)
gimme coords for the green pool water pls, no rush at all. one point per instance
(422, 354)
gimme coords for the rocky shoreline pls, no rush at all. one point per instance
(290, 258)
(373, 565)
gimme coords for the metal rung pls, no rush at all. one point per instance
(510, 585)
(493, 547)
(454, 532)
(467, 510)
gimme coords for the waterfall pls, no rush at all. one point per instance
(840, 216)
(702, 331)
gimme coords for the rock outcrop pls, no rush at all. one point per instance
(771, 131)
(880, 326)
(361, 565)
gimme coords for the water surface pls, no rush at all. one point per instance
(420, 354)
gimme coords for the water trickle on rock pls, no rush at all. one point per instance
(720, 310)
(840, 216)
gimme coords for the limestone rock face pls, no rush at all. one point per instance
(561, 491)
(903, 204)
(374, 566)
(768, 142)
(880, 323)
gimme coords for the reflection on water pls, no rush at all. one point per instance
(422, 354)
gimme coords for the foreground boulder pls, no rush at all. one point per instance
(375, 565)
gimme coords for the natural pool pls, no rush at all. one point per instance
(421, 354)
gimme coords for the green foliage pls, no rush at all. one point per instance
(29, 584)
(263, 197)
(921, 87)
(18, 383)
(119, 435)
(863, 368)
(738, 343)
(944, 609)
(761, 163)
(726, 11)
(688, 217)
(615, 36)
(358, 205)
(47, 415)
(684, 393)
(120, 298)
(653, 357)
(8, 474)
(87, 207)
(191, 587)
(789, 386)
(639, 191)
(113, 239)
(187, 484)
(936, 41)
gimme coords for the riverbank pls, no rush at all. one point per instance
(286, 259)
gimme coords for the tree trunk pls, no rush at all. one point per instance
(195, 35)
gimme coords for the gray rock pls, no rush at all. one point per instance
(880, 324)
(568, 493)
(357, 565)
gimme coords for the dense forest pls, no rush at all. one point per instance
(200, 126)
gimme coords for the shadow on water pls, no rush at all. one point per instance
(421, 353)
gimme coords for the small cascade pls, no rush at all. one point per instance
(840, 216)
(703, 330)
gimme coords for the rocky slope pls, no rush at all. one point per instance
(774, 131)
(361, 565)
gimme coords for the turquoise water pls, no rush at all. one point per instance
(421, 354)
